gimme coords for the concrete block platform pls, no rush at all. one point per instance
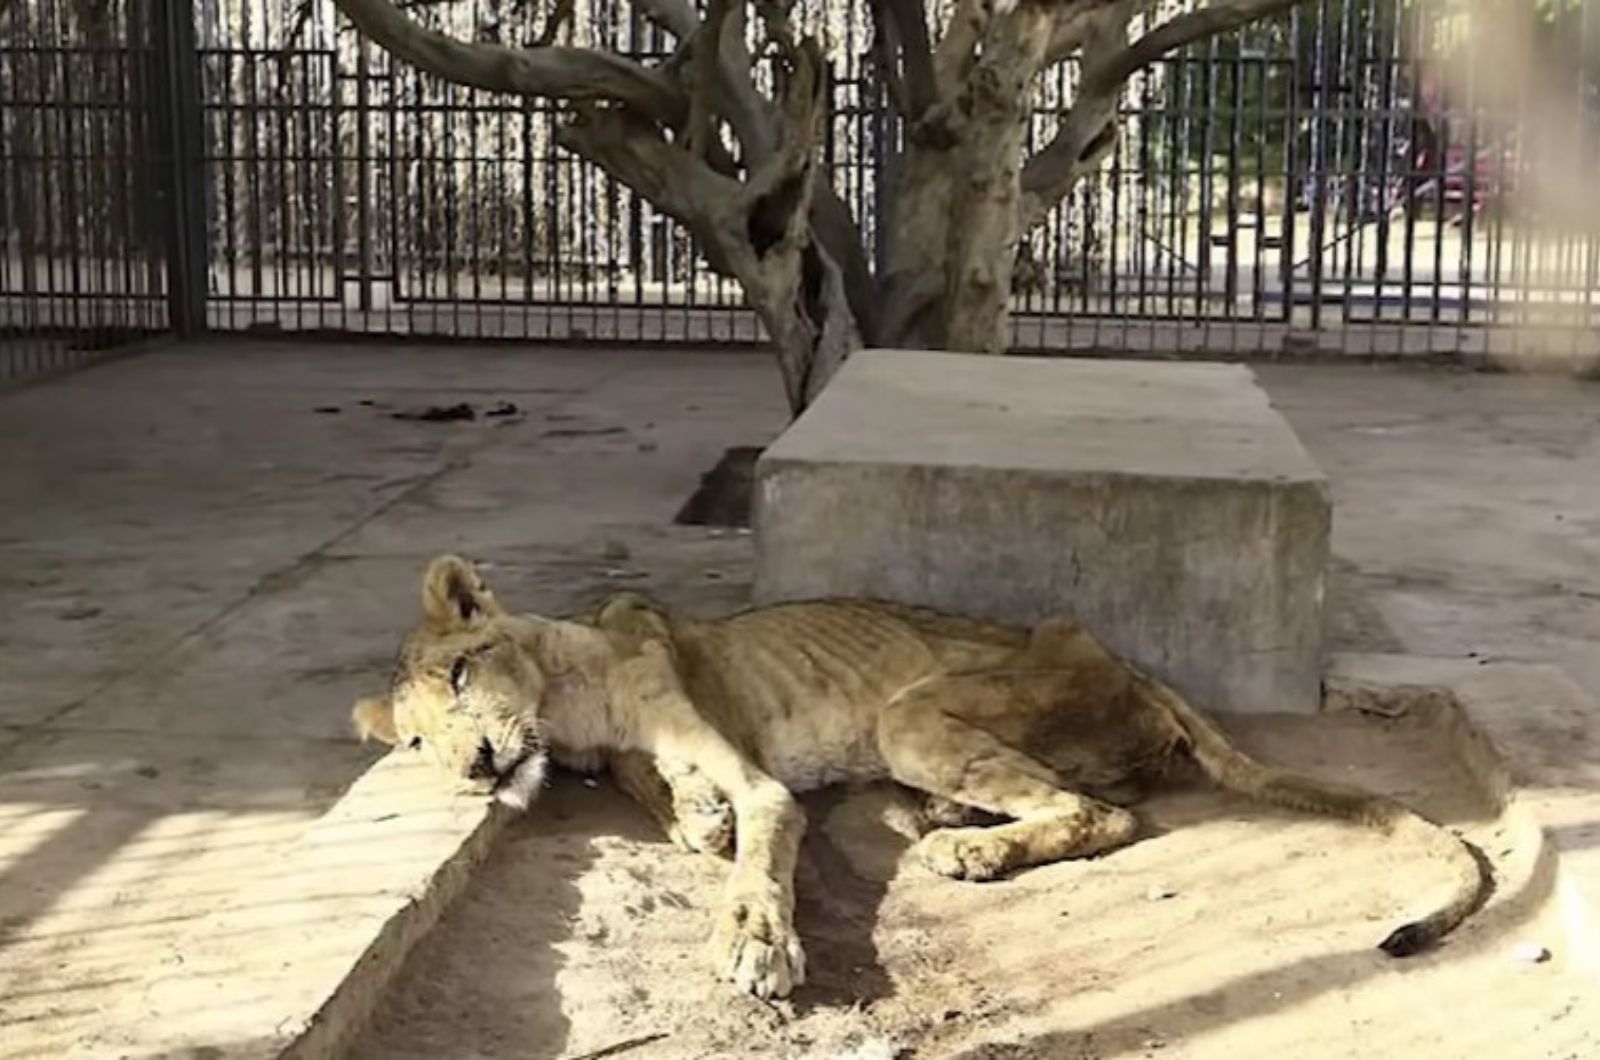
(1168, 507)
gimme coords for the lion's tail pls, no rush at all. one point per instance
(1232, 769)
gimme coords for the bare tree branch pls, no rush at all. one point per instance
(703, 85)
(1218, 16)
(834, 228)
(675, 16)
(957, 50)
(1089, 127)
(752, 116)
(575, 74)
(958, 47)
(635, 151)
(755, 122)
(1068, 34)
(758, 230)
(732, 95)
(802, 108)
(559, 17)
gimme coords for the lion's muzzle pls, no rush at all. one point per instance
(482, 767)
(518, 781)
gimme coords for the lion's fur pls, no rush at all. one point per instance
(714, 724)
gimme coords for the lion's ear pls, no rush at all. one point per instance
(454, 595)
(374, 718)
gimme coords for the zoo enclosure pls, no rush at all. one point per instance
(249, 165)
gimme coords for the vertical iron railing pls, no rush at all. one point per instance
(82, 257)
(176, 122)
(1311, 182)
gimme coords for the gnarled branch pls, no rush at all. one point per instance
(956, 50)
(1074, 26)
(834, 228)
(705, 44)
(1088, 131)
(1218, 16)
(575, 74)
(752, 116)
(677, 17)
(560, 16)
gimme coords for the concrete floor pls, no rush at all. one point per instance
(199, 572)
(1466, 510)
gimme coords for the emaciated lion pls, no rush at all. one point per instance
(1042, 728)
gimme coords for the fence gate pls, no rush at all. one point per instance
(1328, 180)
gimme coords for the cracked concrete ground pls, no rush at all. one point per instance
(199, 571)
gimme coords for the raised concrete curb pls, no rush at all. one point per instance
(295, 963)
(1166, 506)
(1531, 738)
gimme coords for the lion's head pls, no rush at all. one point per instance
(465, 691)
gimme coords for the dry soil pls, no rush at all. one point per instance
(1232, 932)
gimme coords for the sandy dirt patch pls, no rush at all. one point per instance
(1233, 932)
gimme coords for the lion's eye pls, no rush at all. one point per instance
(416, 743)
(458, 674)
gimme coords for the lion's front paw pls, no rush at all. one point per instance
(703, 826)
(755, 946)
(965, 853)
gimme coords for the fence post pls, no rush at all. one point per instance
(364, 185)
(179, 136)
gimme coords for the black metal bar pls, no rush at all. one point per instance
(456, 204)
(181, 148)
(364, 175)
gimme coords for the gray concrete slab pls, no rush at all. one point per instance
(293, 965)
(125, 525)
(282, 663)
(629, 452)
(188, 609)
(1467, 510)
(1167, 507)
(143, 773)
(196, 501)
(318, 370)
(1054, 416)
(113, 845)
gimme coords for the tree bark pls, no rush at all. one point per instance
(957, 217)
(919, 224)
(983, 242)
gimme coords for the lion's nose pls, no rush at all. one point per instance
(482, 767)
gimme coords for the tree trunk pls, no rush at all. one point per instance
(956, 218)
(983, 246)
(808, 318)
(756, 207)
(983, 242)
(920, 223)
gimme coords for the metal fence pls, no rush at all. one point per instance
(251, 165)
(82, 260)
